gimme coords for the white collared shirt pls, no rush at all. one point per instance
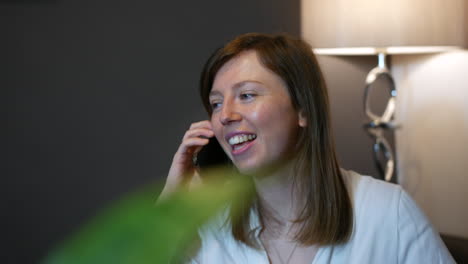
(388, 228)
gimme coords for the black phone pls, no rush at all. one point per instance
(212, 155)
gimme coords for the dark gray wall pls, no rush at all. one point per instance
(98, 95)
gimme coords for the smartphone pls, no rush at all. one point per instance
(212, 155)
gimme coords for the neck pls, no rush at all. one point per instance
(276, 197)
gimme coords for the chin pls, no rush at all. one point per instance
(257, 170)
(247, 169)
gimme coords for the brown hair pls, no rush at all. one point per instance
(327, 217)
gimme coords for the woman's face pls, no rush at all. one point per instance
(253, 117)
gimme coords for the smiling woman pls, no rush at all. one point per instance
(268, 108)
(253, 117)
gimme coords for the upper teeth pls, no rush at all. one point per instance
(241, 139)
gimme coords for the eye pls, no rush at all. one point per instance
(215, 105)
(247, 96)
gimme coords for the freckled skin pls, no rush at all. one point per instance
(269, 113)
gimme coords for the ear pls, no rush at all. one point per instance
(302, 120)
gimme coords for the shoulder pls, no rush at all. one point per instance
(367, 189)
(380, 204)
(375, 205)
(374, 201)
(388, 223)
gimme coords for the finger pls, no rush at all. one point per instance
(191, 145)
(199, 132)
(201, 124)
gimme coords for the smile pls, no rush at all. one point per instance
(239, 139)
(241, 142)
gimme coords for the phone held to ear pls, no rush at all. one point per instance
(211, 155)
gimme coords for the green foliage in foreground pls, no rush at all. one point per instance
(136, 230)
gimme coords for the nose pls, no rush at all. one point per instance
(229, 114)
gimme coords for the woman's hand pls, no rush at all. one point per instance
(182, 172)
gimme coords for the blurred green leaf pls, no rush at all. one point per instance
(136, 230)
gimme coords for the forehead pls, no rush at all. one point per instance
(242, 69)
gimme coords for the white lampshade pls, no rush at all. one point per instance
(391, 26)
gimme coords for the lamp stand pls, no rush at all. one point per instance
(379, 124)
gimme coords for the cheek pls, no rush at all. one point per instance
(279, 126)
(273, 117)
(261, 115)
(218, 132)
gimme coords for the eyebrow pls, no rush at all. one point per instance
(235, 86)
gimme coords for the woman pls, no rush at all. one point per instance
(268, 108)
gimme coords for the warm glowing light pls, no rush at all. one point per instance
(353, 51)
(346, 51)
(420, 49)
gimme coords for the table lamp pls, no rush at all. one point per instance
(382, 28)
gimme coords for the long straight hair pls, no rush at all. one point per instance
(327, 217)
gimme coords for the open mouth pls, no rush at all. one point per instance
(241, 142)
